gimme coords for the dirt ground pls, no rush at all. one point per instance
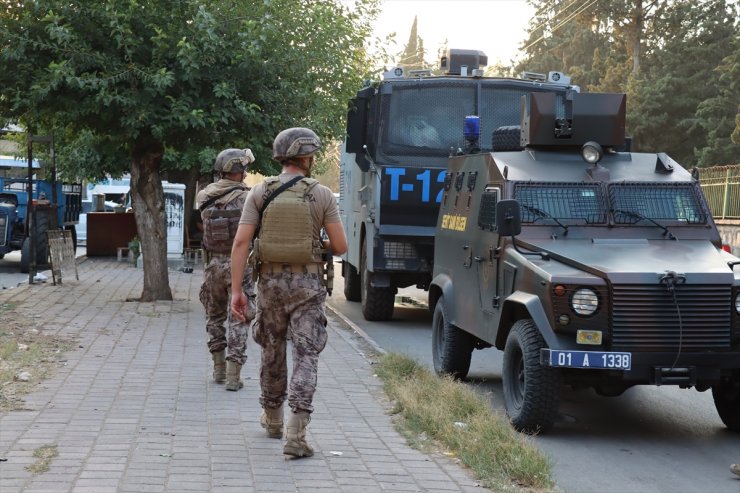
(27, 356)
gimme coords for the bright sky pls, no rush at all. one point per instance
(497, 27)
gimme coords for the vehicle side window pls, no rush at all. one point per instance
(487, 211)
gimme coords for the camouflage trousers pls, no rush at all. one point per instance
(290, 306)
(214, 295)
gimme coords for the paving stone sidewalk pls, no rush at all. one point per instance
(133, 409)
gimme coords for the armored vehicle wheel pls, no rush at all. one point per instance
(377, 303)
(452, 347)
(352, 287)
(507, 138)
(531, 391)
(727, 402)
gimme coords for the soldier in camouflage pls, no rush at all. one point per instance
(292, 289)
(220, 204)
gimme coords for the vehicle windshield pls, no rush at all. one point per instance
(663, 202)
(425, 117)
(628, 202)
(572, 203)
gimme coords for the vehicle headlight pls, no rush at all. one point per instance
(2, 221)
(737, 302)
(592, 152)
(585, 302)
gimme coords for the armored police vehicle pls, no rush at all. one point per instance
(400, 132)
(587, 264)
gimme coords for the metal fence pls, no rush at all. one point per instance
(721, 186)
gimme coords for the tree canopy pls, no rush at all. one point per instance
(675, 59)
(141, 85)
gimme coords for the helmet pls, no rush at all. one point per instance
(295, 142)
(233, 160)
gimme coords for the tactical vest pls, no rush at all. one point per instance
(286, 228)
(220, 223)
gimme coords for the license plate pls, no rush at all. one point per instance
(588, 359)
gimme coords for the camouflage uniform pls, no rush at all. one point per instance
(290, 306)
(214, 295)
(291, 282)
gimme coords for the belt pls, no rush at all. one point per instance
(213, 255)
(271, 268)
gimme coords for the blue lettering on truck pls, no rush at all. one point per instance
(411, 195)
(413, 181)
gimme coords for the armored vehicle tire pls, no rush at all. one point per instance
(452, 348)
(377, 303)
(727, 402)
(531, 391)
(352, 286)
(507, 138)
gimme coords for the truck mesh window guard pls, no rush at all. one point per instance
(659, 201)
(426, 117)
(487, 211)
(580, 202)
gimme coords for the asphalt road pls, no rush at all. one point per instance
(649, 439)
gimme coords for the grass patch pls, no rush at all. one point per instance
(43, 455)
(27, 356)
(440, 412)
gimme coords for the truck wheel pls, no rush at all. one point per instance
(377, 303)
(26, 255)
(452, 347)
(727, 402)
(531, 391)
(352, 287)
(507, 138)
(42, 240)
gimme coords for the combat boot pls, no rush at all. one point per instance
(296, 444)
(233, 372)
(735, 469)
(272, 421)
(219, 366)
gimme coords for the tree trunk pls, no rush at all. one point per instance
(151, 222)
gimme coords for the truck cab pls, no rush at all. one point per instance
(54, 205)
(588, 265)
(400, 132)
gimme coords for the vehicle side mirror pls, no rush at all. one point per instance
(356, 121)
(508, 218)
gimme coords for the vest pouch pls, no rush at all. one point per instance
(220, 229)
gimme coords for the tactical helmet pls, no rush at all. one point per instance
(233, 160)
(295, 142)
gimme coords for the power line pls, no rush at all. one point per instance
(561, 24)
(554, 16)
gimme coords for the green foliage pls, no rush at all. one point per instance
(676, 60)
(188, 74)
